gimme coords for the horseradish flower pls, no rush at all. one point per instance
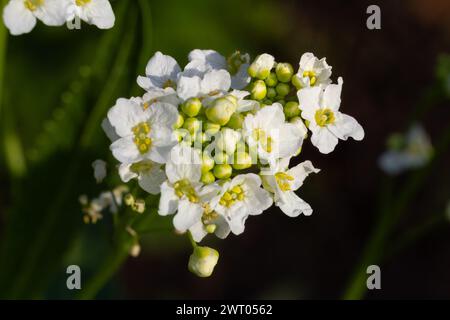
(320, 106)
(283, 183)
(96, 12)
(20, 16)
(99, 167)
(161, 72)
(202, 261)
(149, 174)
(236, 64)
(145, 133)
(240, 198)
(212, 83)
(182, 192)
(312, 72)
(411, 151)
(271, 134)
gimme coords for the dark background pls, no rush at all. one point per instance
(390, 80)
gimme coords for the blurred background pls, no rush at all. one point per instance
(59, 83)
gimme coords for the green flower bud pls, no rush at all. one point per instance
(258, 90)
(222, 171)
(207, 163)
(192, 125)
(291, 109)
(296, 82)
(221, 158)
(261, 67)
(129, 199)
(180, 121)
(271, 80)
(220, 111)
(284, 72)
(210, 228)
(208, 177)
(202, 261)
(283, 89)
(271, 93)
(236, 121)
(211, 128)
(232, 99)
(191, 107)
(242, 160)
(282, 102)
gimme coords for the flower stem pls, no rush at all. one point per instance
(191, 239)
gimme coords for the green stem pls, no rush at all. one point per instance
(105, 271)
(373, 253)
(191, 239)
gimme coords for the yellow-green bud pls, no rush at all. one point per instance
(258, 90)
(180, 121)
(232, 99)
(220, 111)
(211, 128)
(282, 89)
(210, 228)
(271, 80)
(221, 158)
(202, 261)
(242, 160)
(191, 107)
(236, 121)
(291, 109)
(296, 82)
(261, 67)
(207, 163)
(282, 102)
(227, 139)
(208, 177)
(128, 199)
(222, 171)
(271, 93)
(139, 206)
(192, 125)
(284, 72)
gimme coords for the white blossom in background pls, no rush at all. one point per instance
(216, 137)
(406, 152)
(100, 171)
(20, 16)
(320, 106)
(96, 12)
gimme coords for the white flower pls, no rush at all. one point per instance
(412, 151)
(211, 83)
(96, 12)
(240, 198)
(271, 134)
(145, 133)
(320, 106)
(149, 174)
(283, 183)
(183, 193)
(206, 60)
(99, 167)
(20, 16)
(312, 71)
(161, 72)
(260, 68)
(154, 95)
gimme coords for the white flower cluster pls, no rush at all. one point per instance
(216, 138)
(20, 16)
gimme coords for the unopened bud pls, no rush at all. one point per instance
(220, 111)
(202, 261)
(282, 89)
(258, 90)
(227, 139)
(284, 72)
(222, 171)
(271, 93)
(128, 199)
(291, 109)
(139, 206)
(191, 107)
(208, 177)
(192, 125)
(236, 121)
(211, 128)
(261, 67)
(207, 163)
(210, 228)
(179, 123)
(271, 80)
(296, 81)
(242, 161)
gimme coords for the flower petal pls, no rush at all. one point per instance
(323, 139)
(125, 150)
(17, 18)
(188, 215)
(168, 202)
